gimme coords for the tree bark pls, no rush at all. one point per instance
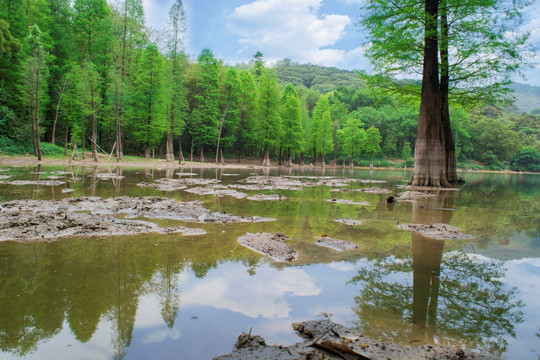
(266, 157)
(117, 120)
(287, 159)
(201, 154)
(170, 148)
(94, 127)
(180, 155)
(450, 159)
(57, 111)
(430, 152)
(38, 144)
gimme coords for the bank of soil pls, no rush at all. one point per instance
(437, 231)
(335, 244)
(324, 339)
(46, 220)
(273, 245)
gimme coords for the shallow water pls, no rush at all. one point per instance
(170, 296)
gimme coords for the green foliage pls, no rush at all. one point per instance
(229, 106)
(322, 127)
(372, 145)
(319, 78)
(203, 120)
(9, 146)
(493, 141)
(247, 115)
(9, 45)
(484, 53)
(352, 137)
(527, 160)
(292, 137)
(268, 126)
(149, 122)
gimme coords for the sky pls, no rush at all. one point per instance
(321, 32)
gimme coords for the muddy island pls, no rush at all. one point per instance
(324, 339)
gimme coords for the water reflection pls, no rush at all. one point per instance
(107, 297)
(454, 298)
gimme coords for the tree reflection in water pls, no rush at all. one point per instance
(455, 298)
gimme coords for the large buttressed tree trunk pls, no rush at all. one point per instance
(451, 164)
(430, 153)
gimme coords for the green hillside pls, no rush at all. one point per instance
(527, 97)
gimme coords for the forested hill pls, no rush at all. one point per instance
(320, 78)
(527, 97)
(325, 79)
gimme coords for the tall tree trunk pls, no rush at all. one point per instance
(219, 136)
(191, 151)
(33, 122)
(170, 140)
(84, 138)
(66, 139)
(451, 173)
(94, 127)
(38, 143)
(430, 152)
(180, 154)
(57, 110)
(201, 153)
(117, 119)
(287, 159)
(170, 148)
(266, 157)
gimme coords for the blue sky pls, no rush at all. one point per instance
(322, 32)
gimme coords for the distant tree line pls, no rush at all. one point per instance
(87, 75)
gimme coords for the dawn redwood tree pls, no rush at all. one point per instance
(352, 136)
(90, 100)
(292, 136)
(269, 120)
(177, 91)
(149, 123)
(372, 143)
(247, 112)
(204, 118)
(229, 98)
(321, 138)
(476, 50)
(35, 73)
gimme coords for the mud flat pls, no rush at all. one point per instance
(324, 339)
(216, 192)
(267, 197)
(349, 222)
(177, 184)
(270, 244)
(336, 244)
(30, 220)
(35, 182)
(374, 191)
(437, 231)
(348, 202)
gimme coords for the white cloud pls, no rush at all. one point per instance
(293, 29)
(262, 295)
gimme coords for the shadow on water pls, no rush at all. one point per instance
(431, 297)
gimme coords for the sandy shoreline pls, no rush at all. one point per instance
(7, 160)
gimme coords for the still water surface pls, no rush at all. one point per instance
(175, 297)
